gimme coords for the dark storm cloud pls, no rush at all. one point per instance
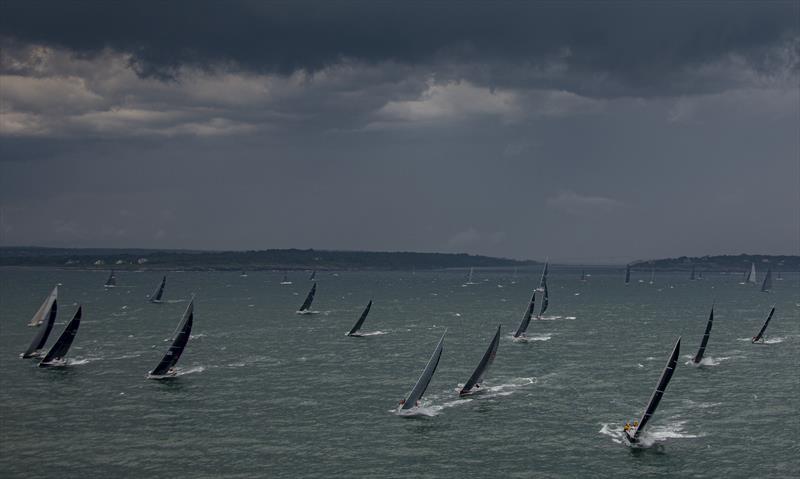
(608, 48)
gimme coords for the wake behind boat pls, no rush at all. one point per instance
(159, 292)
(166, 368)
(760, 336)
(55, 356)
(408, 405)
(475, 381)
(304, 308)
(355, 330)
(700, 352)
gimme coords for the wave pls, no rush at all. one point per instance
(527, 339)
(192, 370)
(651, 436)
(419, 411)
(373, 333)
(707, 361)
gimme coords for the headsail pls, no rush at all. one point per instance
(57, 352)
(44, 309)
(41, 336)
(476, 379)
(545, 298)
(425, 379)
(666, 375)
(357, 326)
(172, 355)
(699, 356)
(111, 281)
(159, 292)
(627, 274)
(758, 337)
(767, 284)
(309, 299)
(526, 320)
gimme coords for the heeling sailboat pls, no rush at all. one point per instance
(159, 292)
(767, 284)
(55, 356)
(166, 368)
(44, 310)
(545, 299)
(474, 382)
(354, 331)
(413, 399)
(526, 319)
(751, 277)
(545, 270)
(307, 303)
(632, 433)
(469, 278)
(760, 336)
(285, 279)
(700, 352)
(111, 282)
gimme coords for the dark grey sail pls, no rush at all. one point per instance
(40, 339)
(111, 281)
(424, 379)
(666, 375)
(692, 276)
(526, 320)
(545, 270)
(758, 337)
(627, 274)
(159, 292)
(354, 330)
(700, 352)
(545, 299)
(767, 284)
(475, 381)
(174, 352)
(583, 275)
(309, 299)
(55, 356)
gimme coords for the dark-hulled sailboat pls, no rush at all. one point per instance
(304, 308)
(413, 399)
(354, 331)
(111, 282)
(700, 352)
(475, 381)
(159, 292)
(526, 319)
(45, 317)
(760, 336)
(166, 368)
(767, 284)
(55, 356)
(633, 432)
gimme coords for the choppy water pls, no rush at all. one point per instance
(267, 393)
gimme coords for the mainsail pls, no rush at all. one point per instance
(313, 275)
(476, 379)
(758, 337)
(699, 356)
(545, 298)
(172, 355)
(526, 320)
(767, 284)
(666, 375)
(111, 281)
(159, 292)
(627, 274)
(751, 277)
(41, 336)
(44, 309)
(425, 379)
(57, 352)
(309, 299)
(357, 326)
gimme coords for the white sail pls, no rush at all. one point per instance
(44, 309)
(751, 278)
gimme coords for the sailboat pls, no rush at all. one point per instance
(243, 274)
(45, 316)
(413, 399)
(354, 331)
(159, 292)
(633, 432)
(307, 303)
(780, 277)
(760, 336)
(475, 381)
(700, 352)
(767, 284)
(526, 319)
(111, 282)
(469, 278)
(653, 275)
(545, 300)
(691, 276)
(285, 280)
(55, 356)
(545, 270)
(166, 368)
(49, 303)
(627, 274)
(751, 277)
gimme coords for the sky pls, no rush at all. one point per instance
(579, 131)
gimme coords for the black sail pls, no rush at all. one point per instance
(699, 356)
(545, 299)
(425, 378)
(767, 284)
(526, 320)
(666, 375)
(361, 319)
(63, 343)
(627, 274)
(488, 357)
(41, 336)
(183, 332)
(309, 298)
(545, 270)
(159, 292)
(760, 334)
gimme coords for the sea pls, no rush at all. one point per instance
(264, 392)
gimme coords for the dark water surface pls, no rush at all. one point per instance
(264, 392)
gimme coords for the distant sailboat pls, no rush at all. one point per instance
(545, 299)
(751, 277)
(627, 274)
(354, 331)
(583, 275)
(307, 303)
(691, 276)
(285, 279)
(514, 277)
(469, 278)
(475, 381)
(166, 368)
(159, 292)
(653, 276)
(243, 274)
(700, 352)
(414, 397)
(55, 356)
(526, 319)
(313, 275)
(767, 284)
(633, 432)
(44, 310)
(111, 282)
(760, 336)
(780, 277)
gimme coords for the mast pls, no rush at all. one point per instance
(488, 357)
(658, 393)
(526, 319)
(425, 379)
(767, 284)
(62, 344)
(309, 299)
(179, 342)
(361, 319)
(41, 336)
(159, 292)
(44, 309)
(758, 337)
(699, 356)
